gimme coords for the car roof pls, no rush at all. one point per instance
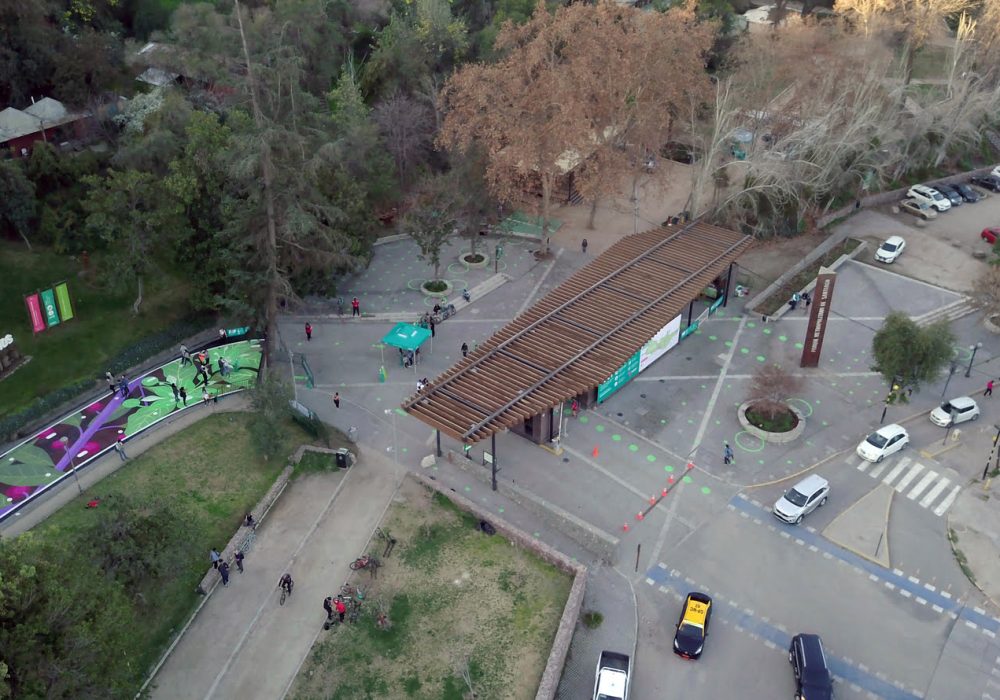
(895, 240)
(890, 430)
(961, 401)
(921, 188)
(811, 484)
(696, 608)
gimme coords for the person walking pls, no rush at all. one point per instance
(215, 557)
(431, 321)
(177, 394)
(794, 301)
(465, 349)
(309, 331)
(583, 245)
(727, 455)
(224, 572)
(575, 407)
(185, 355)
(120, 449)
(123, 386)
(340, 607)
(989, 388)
(355, 307)
(184, 396)
(806, 298)
(205, 397)
(111, 380)
(328, 606)
(238, 557)
(250, 522)
(336, 399)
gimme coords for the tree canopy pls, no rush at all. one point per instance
(910, 355)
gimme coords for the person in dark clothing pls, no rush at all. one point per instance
(465, 349)
(328, 606)
(224, 572)
(309, 331)
(177, 395)
(583, 245)
(239, 560)
(184, 396)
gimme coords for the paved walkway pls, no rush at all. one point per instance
(242, 644)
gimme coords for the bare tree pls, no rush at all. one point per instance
(986, 292)
(406, 127)
(867, 12)
(770, 388)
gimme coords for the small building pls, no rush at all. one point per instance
(45, 120)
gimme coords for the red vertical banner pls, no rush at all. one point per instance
(822, 305)
(35, 311)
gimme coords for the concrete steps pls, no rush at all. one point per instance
(949, 312)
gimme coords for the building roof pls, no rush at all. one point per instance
(46, 113)
(157, 77)
(579, 334)
(14, 123)
(47, 109)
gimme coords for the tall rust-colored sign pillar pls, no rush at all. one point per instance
(821, 308)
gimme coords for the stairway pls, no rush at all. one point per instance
(949, 312)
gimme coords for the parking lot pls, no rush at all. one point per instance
(931, 246)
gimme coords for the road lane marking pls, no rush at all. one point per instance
(922, 484)
(910, 476)
(946, 503)
(879, 468)
(891, 476)
(935, 492)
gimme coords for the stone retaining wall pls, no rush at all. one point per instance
(574, 603)
(591, 538)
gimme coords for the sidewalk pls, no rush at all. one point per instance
(242, 643)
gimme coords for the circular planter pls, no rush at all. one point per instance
(773, 438)
(442, 294)
(464, 259)
(992, 324)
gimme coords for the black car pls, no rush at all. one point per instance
(692, 626)
(990, 182)
(968, 194)
(951, 193)
(812, 674)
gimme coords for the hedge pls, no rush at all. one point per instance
(14, 425)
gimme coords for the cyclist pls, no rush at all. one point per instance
(287, 583)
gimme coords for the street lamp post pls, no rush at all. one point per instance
(951, 372)
(974, 349)
(890, 397)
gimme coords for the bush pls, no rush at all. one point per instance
(436, 286)
(316, 428)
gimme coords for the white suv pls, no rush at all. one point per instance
(929, 196)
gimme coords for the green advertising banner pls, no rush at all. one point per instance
(620, 378)
(49, 308)
(62, 297)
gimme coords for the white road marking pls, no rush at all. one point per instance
(863, 465)
(891, 476)
(935, 492)
(948, 500)
(910, 476)
(879, 468)
(922, 484)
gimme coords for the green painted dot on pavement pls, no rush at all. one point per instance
(713, 337)
(698, 332)
(468, 488)
(761, 358)
(616, 437)
(404, 450)
(766, 331)
(744, 351)
(663, 421)
(584, 419)
(500, 509)
(686, 479)
(729, 343)
(751, 324)
(668, 467)
(799, 346)
(824, 423)
(535, 535)
(650, 458)
(783, 338)
(705, 490)
(633, 447)
(599, 428)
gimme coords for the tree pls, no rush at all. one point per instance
(17, 200)
(770, 388)
(406, 128)
(986, 290)
(907, 355)
(585, 88)
(433, 218)
(269, 408)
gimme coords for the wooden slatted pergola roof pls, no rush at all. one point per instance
(578, 335)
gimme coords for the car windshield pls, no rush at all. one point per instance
(946, 407)
(690, 631)
(796, 498)
(935, 195)
(877, 440)
(888, 247)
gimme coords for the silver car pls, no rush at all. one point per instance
(802, 499)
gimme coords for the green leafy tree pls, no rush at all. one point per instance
(17, 201)
(64, 630)
(269, 406)
(907, 355)
(434, 216)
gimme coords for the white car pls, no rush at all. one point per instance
(958, 410)
(885, 441)
(891, 249)
(802, 499)
(930, 197)
(996, 171)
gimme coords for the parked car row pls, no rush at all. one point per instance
(926, 202)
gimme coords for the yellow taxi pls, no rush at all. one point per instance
(692, 626)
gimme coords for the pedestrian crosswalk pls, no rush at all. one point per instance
(918, 483)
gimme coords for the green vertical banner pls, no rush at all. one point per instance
(62, 297)
(49, 308)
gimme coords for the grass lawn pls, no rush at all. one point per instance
(103, 324)
(457, 599)
(210, 475)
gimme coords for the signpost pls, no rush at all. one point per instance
(821, 308)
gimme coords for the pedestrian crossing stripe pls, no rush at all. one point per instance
(902, 475)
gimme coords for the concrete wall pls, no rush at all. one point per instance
(519, 538)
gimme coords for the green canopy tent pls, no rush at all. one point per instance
(408, 338)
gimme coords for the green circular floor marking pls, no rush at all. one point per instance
(803, 405)
(468, 488)
(744, 441)
(761, 358)
(535, 535)
(404, 450)
(698, 332)
(687, 479)
(663, 421)
(713, 337)
(599, 428)
(668, 468)
(783, 338)
(705, 490)
(751, 324)
(744, 351)
(414, 284)
(799, 346)
(633, 447)
(729, 343)
(500, 509)
(684, 403)
(690, 421)
(704, 386)
(824, 423)
(650, 458)
(766, 331)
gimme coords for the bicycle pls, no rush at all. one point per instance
(286, 591)
(390, 541)
(354, 611)
(382, 615)
(349, 592)
(365, 562)
(445, 312)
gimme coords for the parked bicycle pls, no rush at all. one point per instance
(442, 312)
(349, 592)
(366, 562)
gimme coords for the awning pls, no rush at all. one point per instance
(406, 336)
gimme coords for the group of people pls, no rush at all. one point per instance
(119, 385)
(422, 383)
(799, 298)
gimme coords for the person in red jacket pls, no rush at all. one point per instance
(355, 307)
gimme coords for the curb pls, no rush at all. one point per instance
(817, 465)
(954, 554)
